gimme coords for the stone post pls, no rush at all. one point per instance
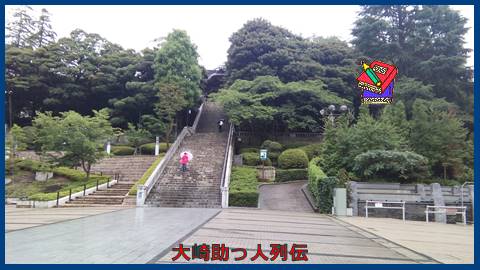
(438, 200)
(109, 147)
(140, 195)
(421, 192)
(352, 187)
(157, 146)
(471, 191)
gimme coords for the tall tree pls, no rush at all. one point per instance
(21, 28)
(176, 62)
(76, 135)
(425, 43)
(440, 136)
(44, 34)
(171, 99)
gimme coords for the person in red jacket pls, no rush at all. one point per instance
(184, 161)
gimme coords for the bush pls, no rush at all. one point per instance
(312, 150)
(33, 165)
(325, 194)
(243, 187)
(149, 148)
(294, 145)
(249, 150)
(145, 176)
(272, 146)
(290, 175)
(122, 150)
(273, 156)
(391, 166)
(321, 186)
(253, 159)
(293, 159)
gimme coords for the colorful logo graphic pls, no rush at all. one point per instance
(377, 81)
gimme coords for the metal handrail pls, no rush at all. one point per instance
(153, 178)
(197, 118)
(229, 141)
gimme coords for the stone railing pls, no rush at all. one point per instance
(144, 190)
(227, 168)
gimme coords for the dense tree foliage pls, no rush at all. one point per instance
(425, 43)
(75, 135)
(268, 104)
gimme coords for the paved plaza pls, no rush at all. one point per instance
(328, 241)
(446, 243)
(22, 218)
(133, 235)
(147, 235)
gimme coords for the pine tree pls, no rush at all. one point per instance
(21, 28)
(44, 34)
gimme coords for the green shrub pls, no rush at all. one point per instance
(253, 159)
(249, 150)
(273, 156)
(149, 148)
(33, 165)
(321, 186)
(272, 146)
(312, 150)
(325, 194)
(122, 150)
(145, 176)
(293, 159)
(292, 145)
(391, 166)
(243, 187)
(290, 175)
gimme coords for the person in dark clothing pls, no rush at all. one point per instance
(220, 125)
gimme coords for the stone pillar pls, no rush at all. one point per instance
(354, 197)
(140, 195)
(438, 200)
(109, 147)
(421, 192)
(157, 146)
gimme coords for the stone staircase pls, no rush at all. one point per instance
(130, 168)
(200, 185)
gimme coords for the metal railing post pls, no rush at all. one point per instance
(58, 197)
(84, 189)
(70, 195)
(97, 184)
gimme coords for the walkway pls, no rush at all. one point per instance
(22, 218)
(327, 240)
(126, 236)
(446, 243)
(285, 196)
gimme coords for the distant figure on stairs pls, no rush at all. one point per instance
(220, 124)
(184, 161)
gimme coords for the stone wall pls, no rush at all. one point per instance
(415, 196)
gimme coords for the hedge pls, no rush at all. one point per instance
(253, 159)
(145, 176)
(249, 150)
(272, 146)
(72, 174)
(35, 190)
(312, 150)
(290, 175)
(243, 187)
(121, 150)
(321, 186)
(293, 159)
(149, 148)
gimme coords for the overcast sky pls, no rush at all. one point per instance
(209, 27)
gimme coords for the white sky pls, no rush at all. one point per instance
(209, 27)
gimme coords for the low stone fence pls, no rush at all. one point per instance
(415, 196)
